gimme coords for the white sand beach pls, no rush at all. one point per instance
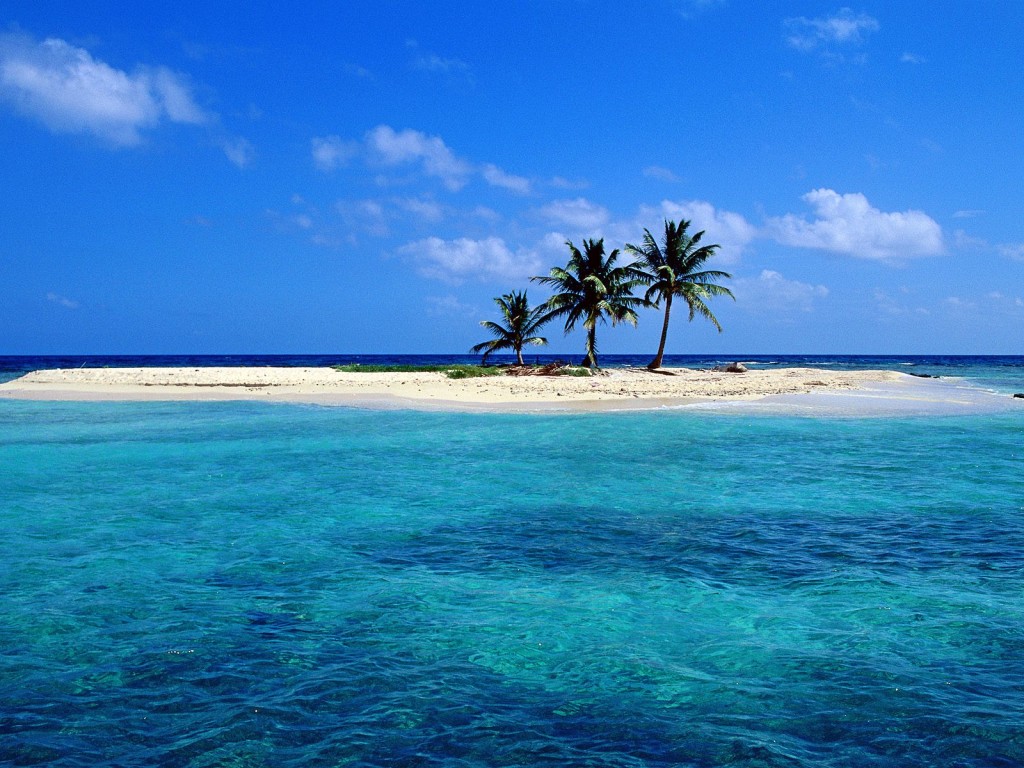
(611, 388)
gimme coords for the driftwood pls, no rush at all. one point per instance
(556, 368)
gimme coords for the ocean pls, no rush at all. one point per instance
(253, 584)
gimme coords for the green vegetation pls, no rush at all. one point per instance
(676, 269)
(521, 323)
(451, 371)
(591, 288)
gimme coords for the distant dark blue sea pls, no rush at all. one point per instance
(253, 584)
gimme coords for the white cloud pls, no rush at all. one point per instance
(690, 8)
(69, 91)
(771, 292)
(895, 307)
(1013, 251)
(496, 177)
(239, 151)
(455, 260)
(965, 242)
(729, 230)
(849, 225)
(425, 210)
(330, 152)
(560, 182)
(912, 58)
(657, 172)
(448, 306)
(409, 147)
(968, 213)
(63, 301)
(959, 303)
(580, 214)
(433, 63)
(844, 27)
(357, 71)
(394, 148)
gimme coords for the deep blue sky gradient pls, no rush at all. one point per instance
(474, 139)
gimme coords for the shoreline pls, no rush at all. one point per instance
(856, 392)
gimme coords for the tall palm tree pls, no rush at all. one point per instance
(520, 323)
(591, 288)
(676, 268)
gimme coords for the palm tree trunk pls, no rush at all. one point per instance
(590, 361)
(656, 362)
(519, 356)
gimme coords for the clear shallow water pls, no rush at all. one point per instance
(200, 584)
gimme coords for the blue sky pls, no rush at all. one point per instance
(366, 176)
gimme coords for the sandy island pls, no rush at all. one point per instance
(610, 389)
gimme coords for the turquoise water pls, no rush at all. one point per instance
(240, 584)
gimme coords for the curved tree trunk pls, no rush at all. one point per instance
(590, 361)
(519, 356)
(656, 362)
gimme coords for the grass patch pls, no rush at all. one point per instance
(451, 371)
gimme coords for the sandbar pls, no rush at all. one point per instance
(610, 389)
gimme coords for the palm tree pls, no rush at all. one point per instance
(590, 287)
(676, 269)
(520, 323)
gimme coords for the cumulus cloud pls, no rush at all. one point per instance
(579, 214)
(849, 225)
(69, 91)
(771, 292)
(409, 147)
(844, 28)
(395, 148)
(729, 230)
(331, 152)
(453, 261)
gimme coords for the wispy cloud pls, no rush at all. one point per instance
(578, 214)
(454, 261)
(448, 306)
(912, 58)
(331, 152)
(433, 63)
(63, 301)
(449, 67)
(771, 292)
(690, 8)
(659, 173)
(845, 28)
(239, 151)
(1013, 251)
(848, 224)
(496, 177)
